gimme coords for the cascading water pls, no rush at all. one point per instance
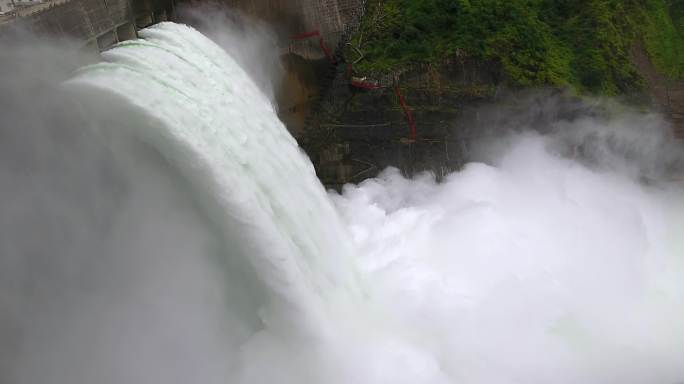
(533, 269)
(183, 95)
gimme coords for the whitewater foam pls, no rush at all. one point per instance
(534, 269)
(186, 97)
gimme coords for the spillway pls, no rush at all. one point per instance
(224, 260)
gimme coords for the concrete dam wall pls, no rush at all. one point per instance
(97, 23)
(293, 17)
(101, 23)
(309, 69)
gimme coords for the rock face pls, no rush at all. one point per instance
(426, 117)
(666, 94)
(358, 132)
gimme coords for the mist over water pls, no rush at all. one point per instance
(160, 225)
(534, 268)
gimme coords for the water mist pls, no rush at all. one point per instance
(160, 225)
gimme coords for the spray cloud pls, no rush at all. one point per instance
(557, 259)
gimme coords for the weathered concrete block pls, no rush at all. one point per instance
(126, 32)
(107, 39)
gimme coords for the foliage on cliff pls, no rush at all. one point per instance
(677, 13)
(581, 43)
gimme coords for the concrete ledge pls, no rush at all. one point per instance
(126, 32)
(143, 21)
(107, 39)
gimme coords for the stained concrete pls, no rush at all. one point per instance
(292, 17)
(98, 24)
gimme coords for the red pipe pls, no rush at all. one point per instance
(325, 49)
(364, 84)
(409, 115)
(306, 35)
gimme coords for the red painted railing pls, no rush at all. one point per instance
(358, 83)
(306, 35)
(409, 114)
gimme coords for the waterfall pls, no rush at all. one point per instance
(183, 95)
(287, 260)
(207, 251)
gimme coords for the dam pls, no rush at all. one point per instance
(101, 23)
(160, 223)
(310, 38)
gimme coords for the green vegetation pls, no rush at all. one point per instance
(581, 43)
(677, 15)
(663, 34)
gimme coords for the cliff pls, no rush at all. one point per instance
(444, 59)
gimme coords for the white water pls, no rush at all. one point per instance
(186, 97)
(535, 269)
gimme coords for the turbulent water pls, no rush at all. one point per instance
(184, 96)
(225, 261)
